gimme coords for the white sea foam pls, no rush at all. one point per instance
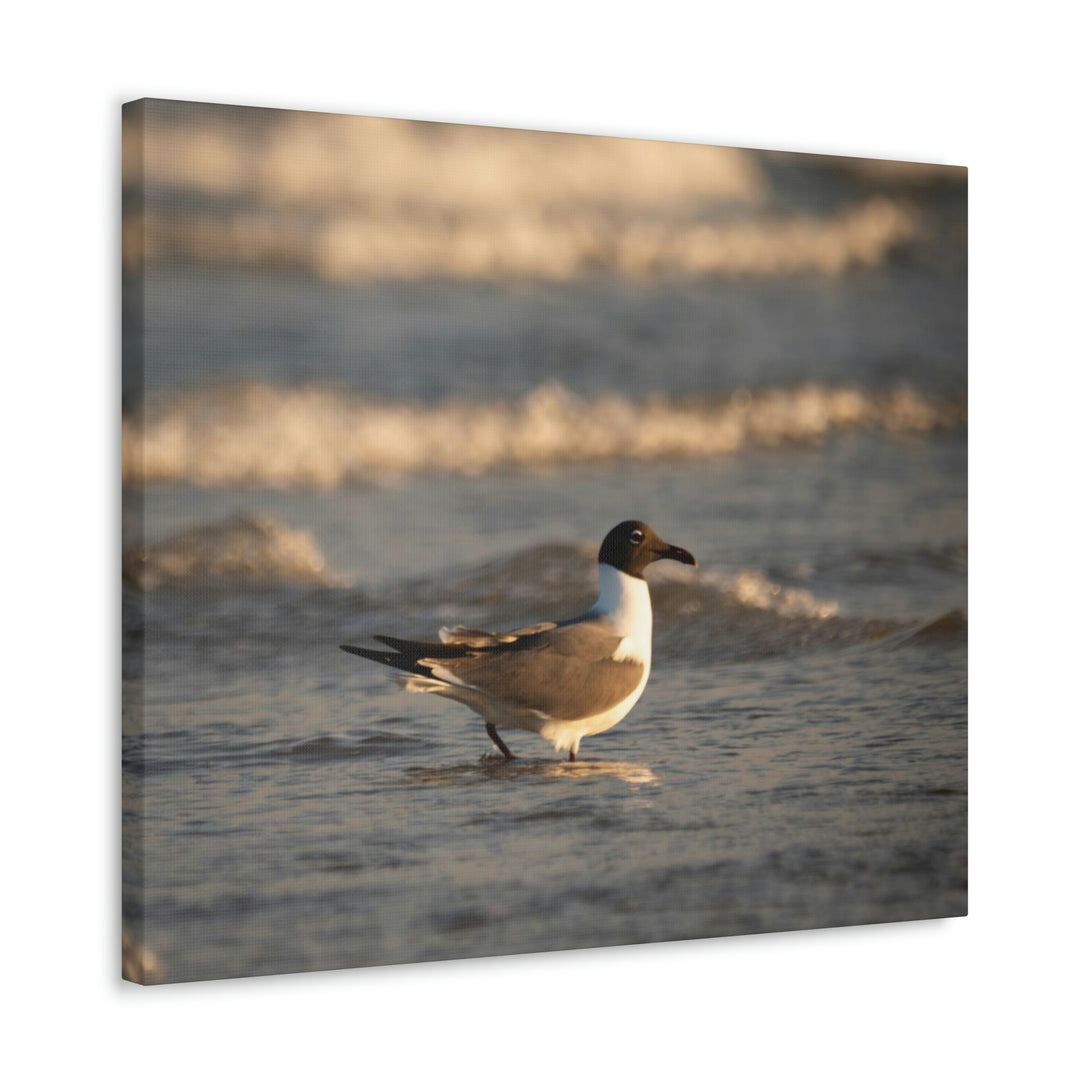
(310, 437)
(749, 588)
(754, 589)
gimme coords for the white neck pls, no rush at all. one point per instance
(624, 603)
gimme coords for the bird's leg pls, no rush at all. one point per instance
(493, 735)
(573, 755)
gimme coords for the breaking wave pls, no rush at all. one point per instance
(360, 248)
(252, 550)
(262, 435)
(349, 198)
(703, 614)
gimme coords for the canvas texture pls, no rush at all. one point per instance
(385, 378)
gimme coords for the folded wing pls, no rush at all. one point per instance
(565, 672)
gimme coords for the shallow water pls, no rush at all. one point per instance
(336, 825)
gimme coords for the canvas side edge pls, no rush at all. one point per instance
(136, 963)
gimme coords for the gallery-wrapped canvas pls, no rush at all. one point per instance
(428, 391)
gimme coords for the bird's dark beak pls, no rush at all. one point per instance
(678, 554)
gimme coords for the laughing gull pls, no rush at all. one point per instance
(563, 680)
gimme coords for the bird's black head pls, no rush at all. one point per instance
(632, 545)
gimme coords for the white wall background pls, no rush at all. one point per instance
(955, 83)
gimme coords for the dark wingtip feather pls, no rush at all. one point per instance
(391, 659)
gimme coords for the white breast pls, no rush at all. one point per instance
(625, 606)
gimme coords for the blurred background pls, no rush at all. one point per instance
(381, 375)
(409, 267)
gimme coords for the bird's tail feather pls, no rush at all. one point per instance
(408, 656)
(398, 660)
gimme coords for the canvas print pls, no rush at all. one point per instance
(532, 541)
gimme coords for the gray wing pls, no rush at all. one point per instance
(566, 672)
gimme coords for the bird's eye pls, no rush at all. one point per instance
(637, 536)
